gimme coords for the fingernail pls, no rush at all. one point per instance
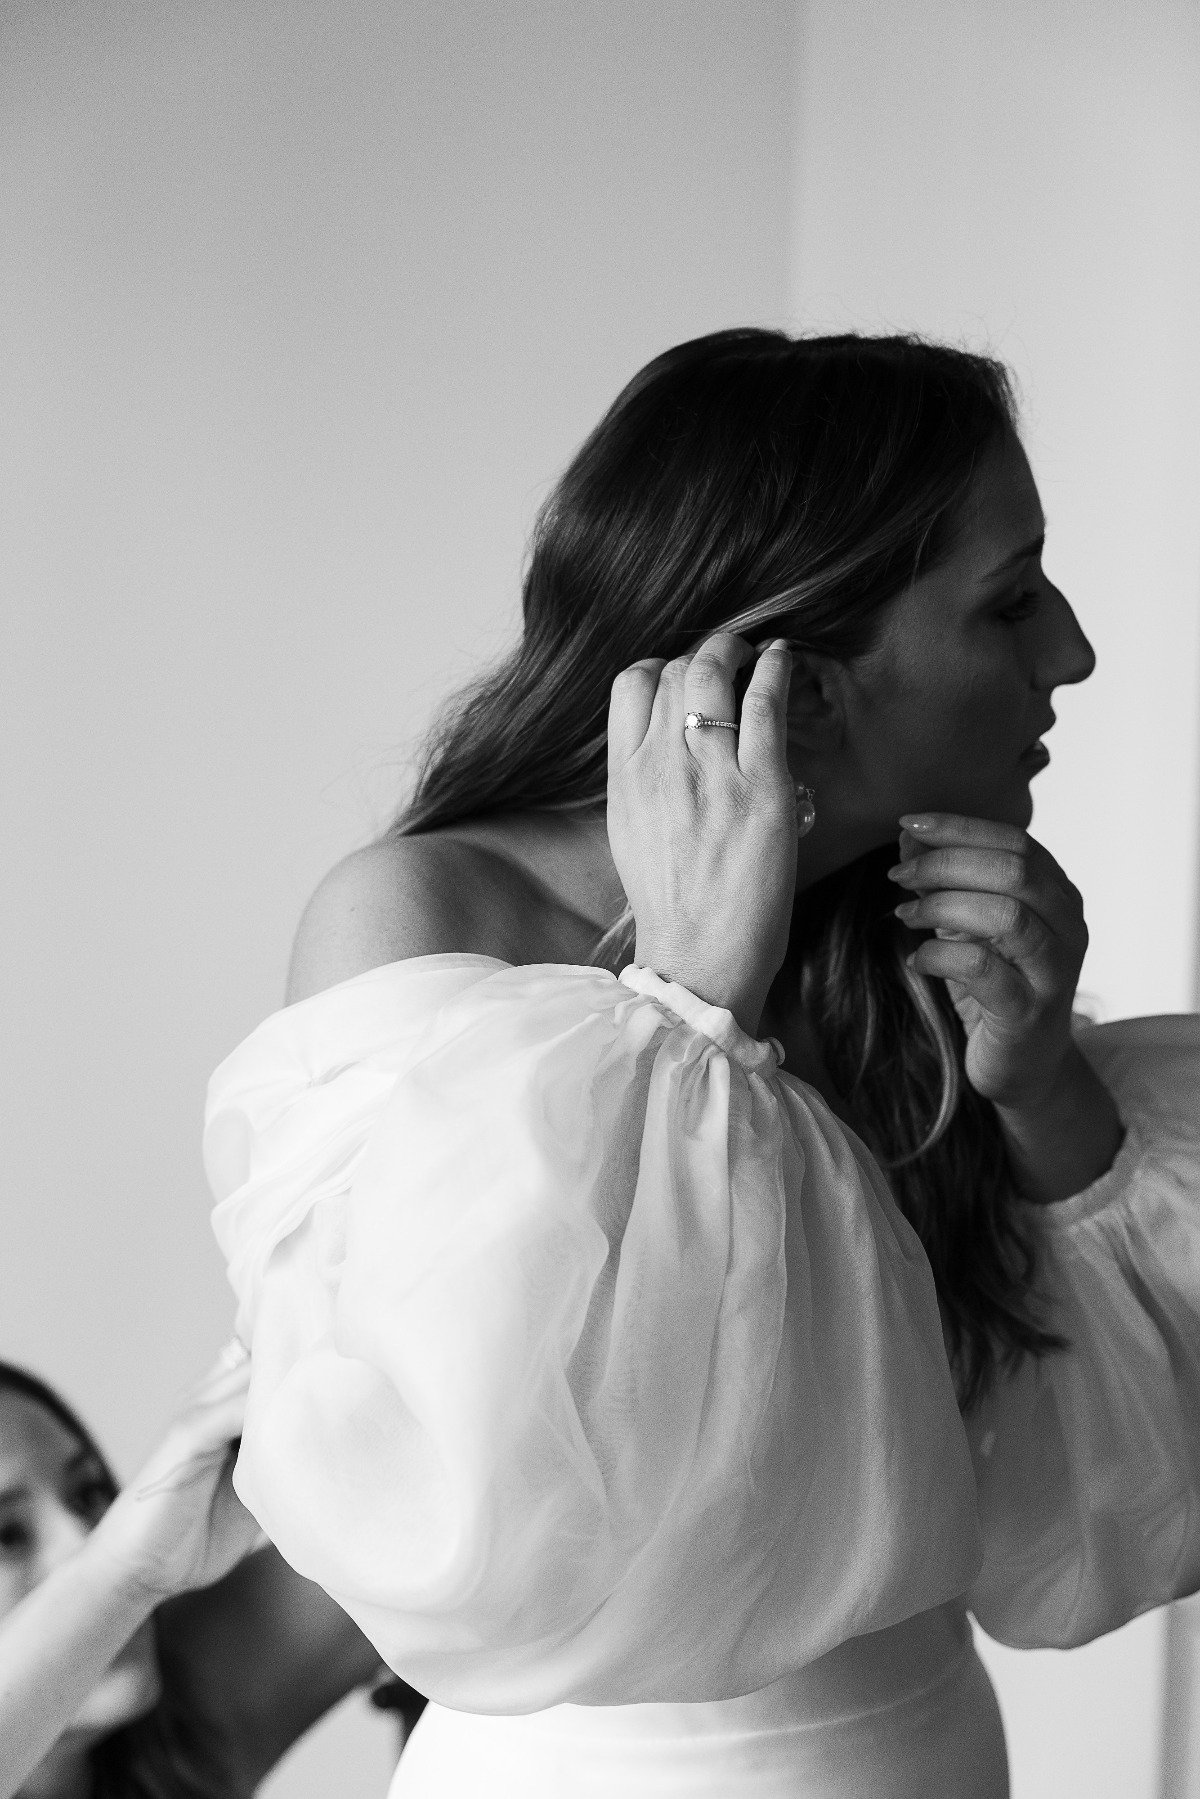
(901, 872)
(906, 910)
(780, 643)
(918, 821)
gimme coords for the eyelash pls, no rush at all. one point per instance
(92, 1499)
(14, 1536)
(1022, 607)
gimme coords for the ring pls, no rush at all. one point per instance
(233, 1354)
(695, 720)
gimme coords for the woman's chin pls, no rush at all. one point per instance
(1019, 810)
(1011, 804)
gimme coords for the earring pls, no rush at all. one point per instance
(806, 809)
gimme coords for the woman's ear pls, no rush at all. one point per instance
(815, 712)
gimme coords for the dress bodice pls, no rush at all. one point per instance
(598, 1376)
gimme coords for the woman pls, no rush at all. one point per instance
(110, 1685)
(658, 1364)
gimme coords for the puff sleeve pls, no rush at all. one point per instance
(1088, 1462)
(592, 1359)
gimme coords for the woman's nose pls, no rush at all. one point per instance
(1066, 656)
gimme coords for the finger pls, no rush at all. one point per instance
(203, 1438)
(708, 688)
(762, 740)
(219, 1382)
(231, 1358)
(992, 871)
(1006, 923)
(213, 1418)
(909, 846)
(970, 833)
(630, 705)
(980, 971)
(952, 829)
(219, 1418)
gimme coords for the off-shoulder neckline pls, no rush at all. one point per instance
(459, 958)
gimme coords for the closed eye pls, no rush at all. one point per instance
(1022, 607)
(90, 1499)
(15, 1536)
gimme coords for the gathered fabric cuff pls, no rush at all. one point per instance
(756, 1055)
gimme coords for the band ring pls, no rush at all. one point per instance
(696, 720)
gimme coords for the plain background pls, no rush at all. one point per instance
(304, 308)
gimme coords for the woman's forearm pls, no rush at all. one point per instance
(54, 1647)
(1069, 1141)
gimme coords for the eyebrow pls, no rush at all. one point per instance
(1034, 547)
(80, 1460)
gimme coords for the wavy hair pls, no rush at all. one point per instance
(771, 486)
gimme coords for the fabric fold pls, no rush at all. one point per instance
(592, 1358)
(1088, 1462)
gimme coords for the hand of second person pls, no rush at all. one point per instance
(179, 1524)
(702, 823)
(1009, 940)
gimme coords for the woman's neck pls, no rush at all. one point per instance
(564, 854)
(572, 848)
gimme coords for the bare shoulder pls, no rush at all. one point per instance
(395, 899)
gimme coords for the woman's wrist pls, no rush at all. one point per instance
(115, 1551)
(1069, 1139)
(746, 1002)
(111, 1569)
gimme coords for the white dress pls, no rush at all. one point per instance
(598, 1376)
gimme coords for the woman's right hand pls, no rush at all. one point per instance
(702, 823)
(179, 1524)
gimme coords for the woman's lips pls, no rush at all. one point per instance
(1036, 756)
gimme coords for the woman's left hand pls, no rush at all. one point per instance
(1009, 941)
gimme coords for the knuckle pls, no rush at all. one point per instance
(1015, 919)
(762, 705)
(976, 957)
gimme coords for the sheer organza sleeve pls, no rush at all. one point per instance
(592, 1359)
(1088, 1463)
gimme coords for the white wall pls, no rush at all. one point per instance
(1027, 176)
(304, 306)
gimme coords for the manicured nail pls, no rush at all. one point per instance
(918, 821)
(901, 873)
(906, 910)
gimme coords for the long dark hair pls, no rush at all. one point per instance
(752, 482)
(167, 1754)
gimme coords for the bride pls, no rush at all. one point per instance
(691, 1255)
